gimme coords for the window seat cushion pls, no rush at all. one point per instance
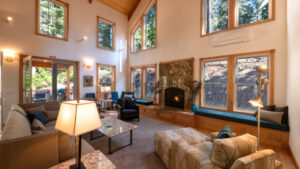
(144, 102)
(240, 118)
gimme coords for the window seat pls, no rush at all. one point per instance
(240, 118)
(144, 102)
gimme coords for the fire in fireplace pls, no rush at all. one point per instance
(174, 97)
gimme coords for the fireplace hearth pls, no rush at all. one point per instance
(174, 97)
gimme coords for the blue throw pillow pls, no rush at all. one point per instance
(40, 116)
(225, 133)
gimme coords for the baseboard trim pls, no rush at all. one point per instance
(294, 160)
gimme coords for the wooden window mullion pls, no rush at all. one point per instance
(231, 14)
(230, 84)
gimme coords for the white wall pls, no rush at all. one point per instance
(20, 36)
(293, 88)
(178, 25)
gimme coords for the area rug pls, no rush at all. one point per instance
(141, 154)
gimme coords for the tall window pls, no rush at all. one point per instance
(229, 82)
(144, 33)
(215, 83)
(246, 88)
(105, 77)
(106, 34)
(215, 15)
(150, 82)
(137, 39)
(137, 82)
(52, 19)
(218, 15)
(150, 27)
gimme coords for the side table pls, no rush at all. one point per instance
(94, 160)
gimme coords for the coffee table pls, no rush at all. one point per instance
(111, 127)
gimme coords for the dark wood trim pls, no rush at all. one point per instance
(113, 24)
(66, 31)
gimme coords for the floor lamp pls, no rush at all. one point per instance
(258, 101)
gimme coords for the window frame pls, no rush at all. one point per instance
(66, 26)
(113, 24)
(141, 21)
(99, 65)
(143, 82)
(202, 91)
(231, 86)
(233, 17)
(132, 41)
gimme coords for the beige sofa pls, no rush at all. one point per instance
(20, 148)
(232, 153)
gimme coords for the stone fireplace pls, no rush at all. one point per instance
(174, 97)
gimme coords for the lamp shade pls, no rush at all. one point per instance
(257, 102)
(78, 117)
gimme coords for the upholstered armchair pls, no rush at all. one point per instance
(128, 110)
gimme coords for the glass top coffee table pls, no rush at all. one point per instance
(111, 127)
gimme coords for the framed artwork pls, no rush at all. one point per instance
(88, 81)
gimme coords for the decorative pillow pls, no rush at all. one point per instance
(51, 115)
(37, 125)
(130, 103)
(285, 116)
(225, 133)
(227, 150)
(269, 108)
(40, 108)
(127, 95)
(40, 116)
(272, 116)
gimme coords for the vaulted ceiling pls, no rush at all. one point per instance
(126, 7)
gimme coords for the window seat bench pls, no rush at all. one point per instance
(240, 118)
(144, 102)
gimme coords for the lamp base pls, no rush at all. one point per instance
(74, 166)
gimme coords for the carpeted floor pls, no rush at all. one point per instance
(141, 154)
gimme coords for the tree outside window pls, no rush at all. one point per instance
(106, 31)
(250, 11)
(137, 81)
(150, 27)
(52, 19)
(137, 39)
(150, 82)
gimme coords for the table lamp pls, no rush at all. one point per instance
(105, 90)
(76, 118)
(258, 101)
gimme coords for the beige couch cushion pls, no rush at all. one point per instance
(226, 151)
(16, 126)
(40, 108)
(18, 109)
(37, 125)
(51, 115)
(264, 159)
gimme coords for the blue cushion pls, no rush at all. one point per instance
(90, 96)
(40, 116)
(225, 133)
(144, 102)
(240, 118)
(115, 96)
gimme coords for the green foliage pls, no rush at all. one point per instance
(105, 76)
(105, 35)
(41, 78)
(52, 19)
(138, 39)
(217, 15)
(150, 28)
(62, 76)
(253, 10)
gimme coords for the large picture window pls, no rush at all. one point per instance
(143, 35)
(229, 82)
(150, 82)
(221, 15)
(215, 83)
(106, 34)
(52, 19)
(105, 77)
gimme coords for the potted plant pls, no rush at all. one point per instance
(194, 87)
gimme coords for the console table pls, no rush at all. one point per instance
(95, 160)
